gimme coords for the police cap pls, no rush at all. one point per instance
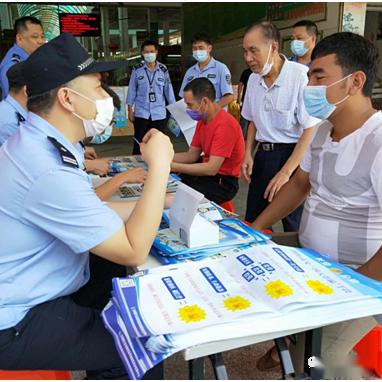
(59, 61)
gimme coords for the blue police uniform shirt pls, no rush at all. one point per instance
(50, 217)
(143, 81)
(13, 56)
(295, 59)
(11, 115)
(217, 72)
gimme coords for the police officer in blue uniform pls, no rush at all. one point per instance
(51, 218)
(29, 36)
(149, 90)
(206, 66)
(13, 110)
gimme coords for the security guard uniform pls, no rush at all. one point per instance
(11, 115)
(51, 217)
(13, 56)
(217, 72)
(148, 92)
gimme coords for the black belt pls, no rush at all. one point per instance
(266, 146)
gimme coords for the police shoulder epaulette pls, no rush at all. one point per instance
(19, 117)
(66, 156)
(163, 68)
(137, 66)
(15, 57)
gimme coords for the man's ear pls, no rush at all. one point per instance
(359, 79)
(18, 38)
(63, 97)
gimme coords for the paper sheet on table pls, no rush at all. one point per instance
(187, 125)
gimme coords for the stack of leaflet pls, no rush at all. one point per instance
(134, 190)
(120, 164)
(168, 248)
(263, 291)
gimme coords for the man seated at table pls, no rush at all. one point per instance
(218, 137)
(341, 176)
(51, 219)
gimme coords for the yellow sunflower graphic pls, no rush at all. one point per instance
(319, 287)
(191, 313)
(236, 303)
(277, 289)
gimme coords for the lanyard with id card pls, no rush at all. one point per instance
(152, 96)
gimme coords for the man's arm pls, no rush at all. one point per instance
(131, 244)
(135, 175)
(287, 200)
(239, 91)
(190, 156)
(250, 144)
(373, 267)
(97, 166)
(209, 168)
(225, 100)
(290, 165)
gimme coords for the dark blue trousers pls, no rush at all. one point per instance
(266, 165)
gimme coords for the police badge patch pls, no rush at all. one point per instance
(228, 79)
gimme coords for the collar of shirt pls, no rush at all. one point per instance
(11, 101)
(295, 59)
(211, 64)
(45, 128)
(151, 71)
(280, 78)
(23, 54)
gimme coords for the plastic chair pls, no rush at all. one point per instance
(369, 351)
(34, 374)
(228, 206)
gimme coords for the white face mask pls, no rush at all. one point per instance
(267, 67)
(104, 115)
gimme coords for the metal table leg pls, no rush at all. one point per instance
(220, 370)
(196, 368)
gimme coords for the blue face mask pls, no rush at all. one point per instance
(316, 103)
(298, 47)
(200, 55)
(101, 138)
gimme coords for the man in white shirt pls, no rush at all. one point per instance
(279, 122)
(341, 175)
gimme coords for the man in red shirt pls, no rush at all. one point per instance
(218, 136)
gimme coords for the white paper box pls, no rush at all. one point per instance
(193, 229)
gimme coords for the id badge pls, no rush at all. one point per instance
(152, 97)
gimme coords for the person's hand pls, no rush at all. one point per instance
(157, 148)
(275, 184)
(169, 200)
(135, 175)
(98, 166)
(131, 116)
(90, 153)
(246, 167)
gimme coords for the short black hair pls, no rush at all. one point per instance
(21, 23)
(42, 103)
(149, 42)
(203, 37)
(201, 87)
(270, 31)
(310, 26)
(353, 52)
(16, 79)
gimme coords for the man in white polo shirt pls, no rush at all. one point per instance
(341, 176)
(279, 122)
